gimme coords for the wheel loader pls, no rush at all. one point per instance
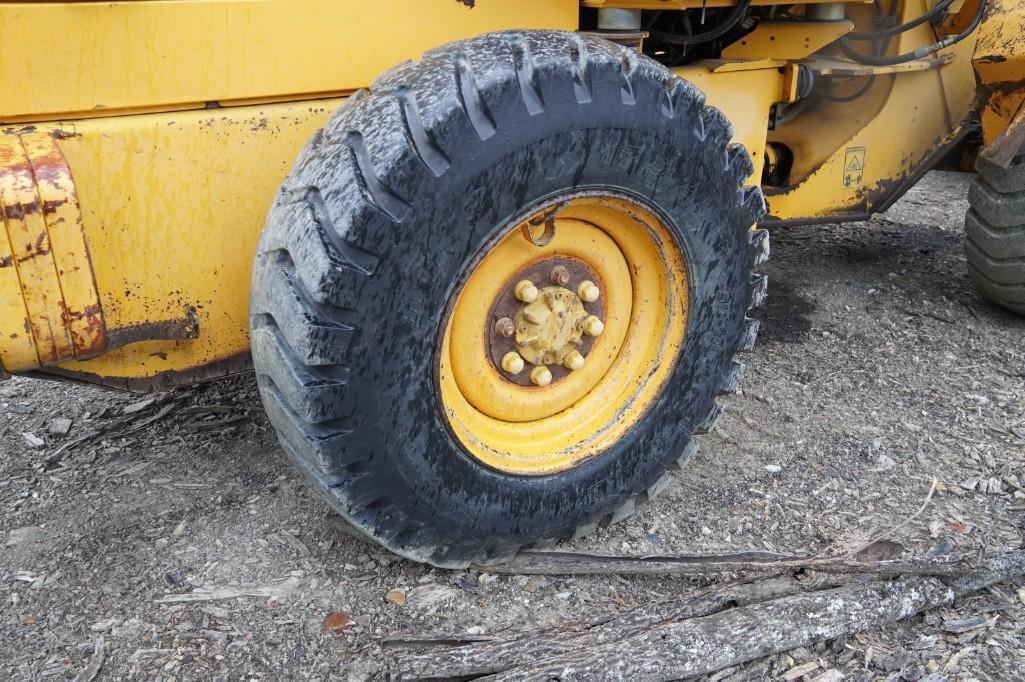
(492, 262)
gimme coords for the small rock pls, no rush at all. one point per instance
(773, 468)
(33, 441)
(396, 597)
(59, 426)
(886, 463)
(20, 408)
(475, 630)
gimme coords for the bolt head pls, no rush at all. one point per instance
(505, 327)
(512, 362)
(593, 326)
(560, 275)
(525, 291)
(574, 360)
(588, 291)
(541, 376)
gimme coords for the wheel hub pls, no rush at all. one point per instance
(546, 321)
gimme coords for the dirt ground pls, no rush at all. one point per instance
(878, 370)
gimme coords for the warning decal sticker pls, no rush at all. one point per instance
(853, 166)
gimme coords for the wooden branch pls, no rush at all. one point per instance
(702, 634)
(573, 563)
(487, 657)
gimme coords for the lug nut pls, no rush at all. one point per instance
(541, 376)
(593, 326)
(525, 291)
(560, 275)
(512, 363)
(588, 291)
(505, 327)
(573, 360)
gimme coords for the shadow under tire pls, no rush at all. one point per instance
(396, 197)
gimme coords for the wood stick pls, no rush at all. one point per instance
(573, 563)
(492, 656)
(654, 644)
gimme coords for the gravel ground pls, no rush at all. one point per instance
(879, 370)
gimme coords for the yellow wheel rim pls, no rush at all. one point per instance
(589, 257)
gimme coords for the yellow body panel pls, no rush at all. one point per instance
(999, 64)
(787, 39)
(98, 58)
(173, 122)
(173, 206)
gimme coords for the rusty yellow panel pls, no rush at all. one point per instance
(787, 39)
(173, 205)
(30, 243)
(81, 310)
(97, 58)
(999, 63)
(850, 157)
(17, 348)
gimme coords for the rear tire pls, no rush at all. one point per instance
(388, 205)
(995, 233)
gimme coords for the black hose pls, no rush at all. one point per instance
(736, 15)
(925, 51)
(935, 13)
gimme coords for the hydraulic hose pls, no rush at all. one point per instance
(935, 13)
(920, 52)
(736, 15)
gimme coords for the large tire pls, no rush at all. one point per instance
(383, 211)
(995, 233)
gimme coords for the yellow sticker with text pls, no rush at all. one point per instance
(854, 167)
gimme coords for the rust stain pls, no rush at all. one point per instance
(182, 329)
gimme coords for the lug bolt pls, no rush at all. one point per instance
(573, 360)
(560, 275)
(505, 327)
(593, 326)
(541, 376)
(512, 363)
(588, 291)
(525, 291)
